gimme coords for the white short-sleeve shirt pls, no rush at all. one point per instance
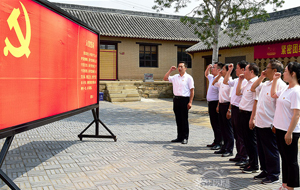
(235, 99)
(266, 105)
(224, 91)
(182, 85)
(248, 97)
(212, 92)
(289, 99)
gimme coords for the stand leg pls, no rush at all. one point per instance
(97, 121)
(3, 154)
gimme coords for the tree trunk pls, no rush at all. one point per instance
(215, 55)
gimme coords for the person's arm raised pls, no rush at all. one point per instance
(277, 75)
(206, 73)
(216, 79)
(239, 85)
(228, 73)
(173, 68)
(258, 81)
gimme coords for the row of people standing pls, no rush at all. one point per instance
(249, 110)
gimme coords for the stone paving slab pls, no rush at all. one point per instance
(52, 156)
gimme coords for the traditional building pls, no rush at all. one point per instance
(278, 38)
(135, 43)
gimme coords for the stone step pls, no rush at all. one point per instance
(127, 87)
(114, 91)
(129, 91)
(114, 83)
(115, 88)
(133, 95)
(117, 99)
(118, 95)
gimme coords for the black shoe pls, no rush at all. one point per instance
(262, 175)
(226, 154)
(242, 163)
(220, 152)
(250, 170)
(245, 166)
(216, 147)
(176, 140)
(269, 181)
(211, 145)
(185, 141)
(234, 159)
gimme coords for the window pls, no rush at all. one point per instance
(148, 56)
(183, 56)
(106, 46)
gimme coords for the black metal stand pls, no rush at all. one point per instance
(97, 121)
(3, 153)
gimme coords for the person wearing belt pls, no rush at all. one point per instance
(224, 102)
(247, 106)
(212, 98)
(233, 112)
(266, 140)
(183, 90)
(287, 124)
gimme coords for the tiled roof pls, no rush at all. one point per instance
(120, 23)
(282, 25)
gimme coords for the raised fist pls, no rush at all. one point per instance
(173, 68)
(209, 66)
(242, 77)
(263, 74)
(277, 75)
(230, 67)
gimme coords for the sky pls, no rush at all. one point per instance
(146, 5)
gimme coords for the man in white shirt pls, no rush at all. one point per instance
(233, 111)
(213, 100)
(266, 140)
(246, 107)
(183, 90)
(225, 123)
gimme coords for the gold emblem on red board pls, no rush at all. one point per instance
(13, 23)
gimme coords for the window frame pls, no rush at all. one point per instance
(182, 53)
(143, 61)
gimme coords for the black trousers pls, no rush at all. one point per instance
(181, 115)
(249, 137)
(289, 158)
(268, 152)
(237, 132)
(226, 128)
(214, 121)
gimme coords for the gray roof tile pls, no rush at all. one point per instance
(132, 24)
(282, 25)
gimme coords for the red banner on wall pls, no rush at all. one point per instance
(48, 64)
(284, 49)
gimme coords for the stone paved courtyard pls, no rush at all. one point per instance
(53, 157)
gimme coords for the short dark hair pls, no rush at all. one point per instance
(242, 64)
(253, 67)
(183, 63)
(275, 64)
(220, 65)
(294, 67)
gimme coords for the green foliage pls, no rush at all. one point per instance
(232, 17)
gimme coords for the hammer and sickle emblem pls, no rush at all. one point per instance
(13, 23)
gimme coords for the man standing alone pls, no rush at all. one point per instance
(183, 90)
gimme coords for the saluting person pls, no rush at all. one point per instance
(266, 140)
(183, 90)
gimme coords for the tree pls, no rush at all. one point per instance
(211, 17)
